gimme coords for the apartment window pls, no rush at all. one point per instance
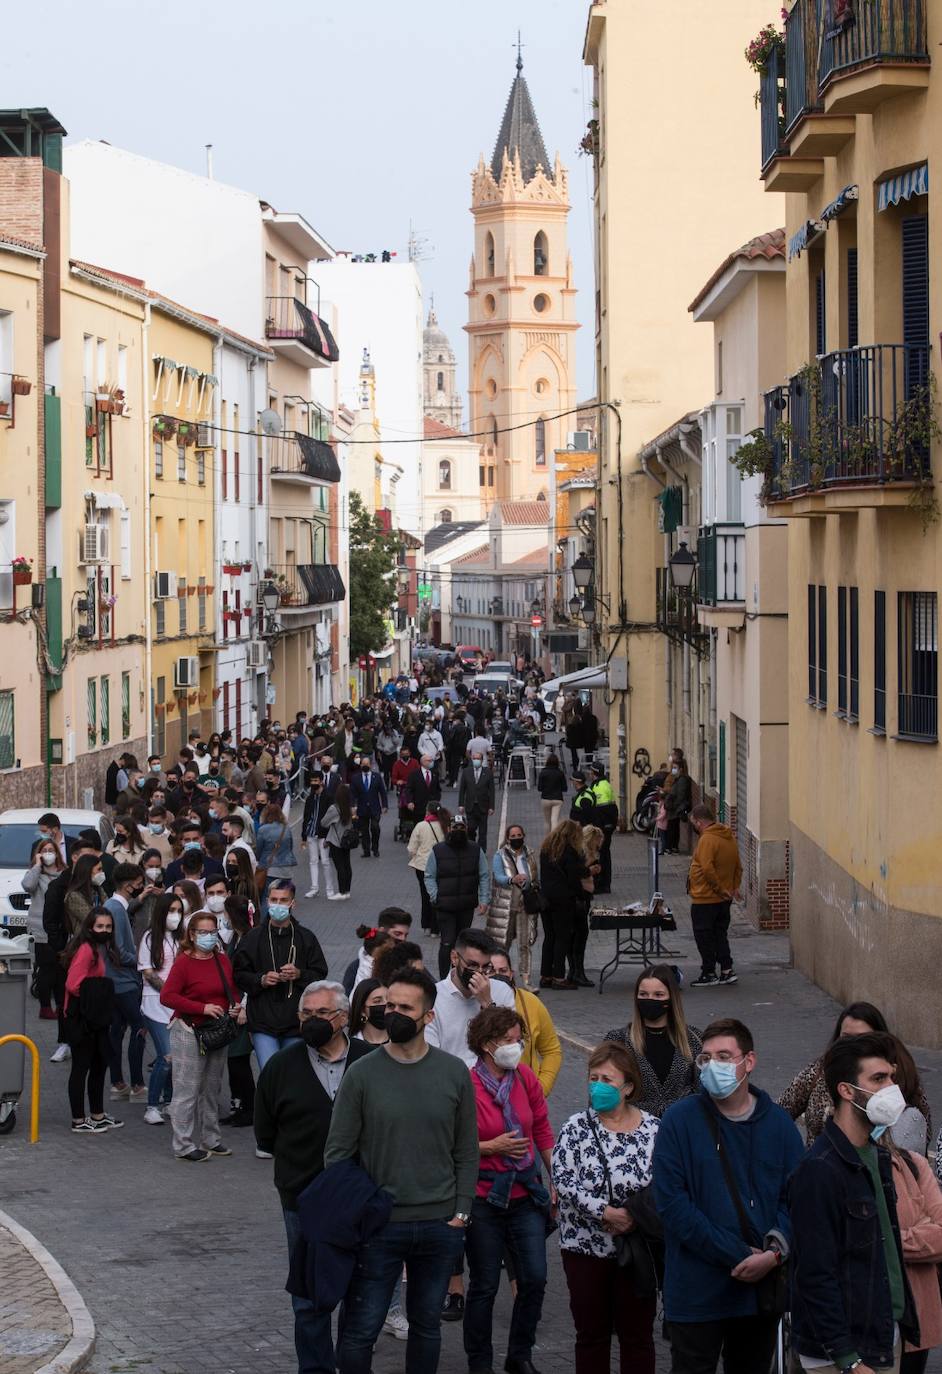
(225, 706)
(812, 644)
(104, 714)
(719, 367)
(853, 705)
(915, 252)
(181, 605)
(481, 475)
(160, 718)
(225, 475)
(879, 662)
(181, 463)
(7, 731)
(201, 466)
(822, 646)
(97, 440)
(235, 475)
(201, 603)
(444, 475)
(225, 615)
(160, 626)
(842, 651)
(158, 458)
(820, 321)
(817, 646)
(918, 660)
(91, 701)
(123, 368)
(125, 705)
(260, 471)
(853, 329)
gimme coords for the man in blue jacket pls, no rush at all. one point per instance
(714, 1260)
(851, 1302)
(369, 803)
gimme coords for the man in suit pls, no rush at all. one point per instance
(294, 1101)
(476, 796)
(368, 793)
(422, 786)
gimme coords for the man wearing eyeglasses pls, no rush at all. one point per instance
(294, 1102)
(467, 988)
(721, 1165)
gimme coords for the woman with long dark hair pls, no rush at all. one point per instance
(367, 1010)
(240, 874)
(562, 869)
(663, 1043)
(84, 890)
(45, 865)
(89, 1008)
(159, 947)
(677, 801)
(338, 818)
(239, 912)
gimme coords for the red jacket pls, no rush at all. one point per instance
(192, 982)
(400, 772)
(529, 1102)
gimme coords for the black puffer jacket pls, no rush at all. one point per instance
(561, 883)
(274, 1010)
(457, 876)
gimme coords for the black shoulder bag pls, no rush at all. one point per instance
(632, 1250)
(772, 1290)
(220, 1031)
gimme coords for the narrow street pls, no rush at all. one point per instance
(183, 1270)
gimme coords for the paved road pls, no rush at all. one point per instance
(183, 1269)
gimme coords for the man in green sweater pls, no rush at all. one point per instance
(406, 1112)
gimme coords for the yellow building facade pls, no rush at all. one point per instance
(852, 443)
(673, 188)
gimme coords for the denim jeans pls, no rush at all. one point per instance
(312, 1334)
(267, 1045)
(127, 1012)
(160, 1034)
(521, 1229)
(429, 1250)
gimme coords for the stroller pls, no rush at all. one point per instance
(406, 822)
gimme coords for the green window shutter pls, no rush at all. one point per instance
(53, 422)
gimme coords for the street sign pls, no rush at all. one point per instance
(425, 591)
(536, 621)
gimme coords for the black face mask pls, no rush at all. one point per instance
(399, 1027)
(100, 937)
(650, 1009)
(465, 975)
(517, 842)
(315, 1032)
(503, 978)
(377, 1016)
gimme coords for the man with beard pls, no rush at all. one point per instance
(458, 880)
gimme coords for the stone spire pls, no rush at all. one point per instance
(520, 134)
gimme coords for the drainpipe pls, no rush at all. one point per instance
(148, 574)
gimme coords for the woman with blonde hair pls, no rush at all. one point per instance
(562, 869)
(663, 1043)
(593, 838)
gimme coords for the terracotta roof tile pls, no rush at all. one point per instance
(534, 557)
(768, 246)
(8, 241)
(525, 512)
(434, 429)
(474, 556)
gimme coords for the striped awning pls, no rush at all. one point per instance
(805, 235)
(839, 203)
(915, 182)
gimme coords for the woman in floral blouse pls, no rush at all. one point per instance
(601, 1167)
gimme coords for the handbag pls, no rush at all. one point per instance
(350, 838)
(220, 1032)
(631, 1248)
(534, 903)
(772, 1290)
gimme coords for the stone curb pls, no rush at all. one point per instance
(77, 1352)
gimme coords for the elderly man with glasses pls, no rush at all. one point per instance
(467, 988)
(294, 1103)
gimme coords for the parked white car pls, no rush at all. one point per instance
(18, 831)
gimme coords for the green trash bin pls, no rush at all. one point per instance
(16, 963)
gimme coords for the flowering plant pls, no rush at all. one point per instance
(766, 41)
(22, 564)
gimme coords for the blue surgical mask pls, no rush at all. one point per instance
(206, 940)
(154, 828)
(604, 1097)
(192, 844)
(278, 911)
(719, 1079)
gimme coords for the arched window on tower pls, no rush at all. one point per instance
(444, 517)
(440, 381)
(489, 254)
(444, 475)
(540, 255)
(494, 430)
(539, 430)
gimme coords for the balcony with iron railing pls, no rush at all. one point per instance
(721, 565)
(296, 333)
(852, 429)
(301, 585)
(857, 58)
(295, 457)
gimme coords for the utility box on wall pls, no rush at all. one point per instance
(618, 674)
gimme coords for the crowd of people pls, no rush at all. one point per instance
(408, 1112)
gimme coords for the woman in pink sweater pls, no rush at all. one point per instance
(89, 1003)
(919, 1211)
(511, 1207)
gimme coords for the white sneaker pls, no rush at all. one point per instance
(262, 1154)
(153, 1116)
(60, 1054)
(312, 892)
(344, 896)
(335, 896)
(396, 1324)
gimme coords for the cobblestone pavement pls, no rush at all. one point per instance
(34, 1325)
(183, 1269)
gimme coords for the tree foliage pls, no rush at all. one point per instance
(373, 559)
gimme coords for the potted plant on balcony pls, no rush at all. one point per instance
(247, 566)
(232, 569)
(759, 52)
(589, 146)
(22, 571)
(21, 386)
(4, 407)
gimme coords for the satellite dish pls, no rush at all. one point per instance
(270, 421)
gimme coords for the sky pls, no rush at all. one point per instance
(364, 117)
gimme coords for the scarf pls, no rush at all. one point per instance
(500, 1089)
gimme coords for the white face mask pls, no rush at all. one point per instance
(48, 856)
(884, 1108)
(173, 920)
(186, 906)
(152, 874)
(508, 1056)
(98, 878)
(215, 903)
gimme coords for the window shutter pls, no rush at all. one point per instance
(915, 297)
(125, 545)
(820, 333)
(852, 315)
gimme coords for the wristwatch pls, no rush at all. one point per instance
(463, 1217)
(845, 1369)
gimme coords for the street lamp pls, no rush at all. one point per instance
(575, 606)
(583, 572)
(683, 565)
(588, 610)
(271, 597)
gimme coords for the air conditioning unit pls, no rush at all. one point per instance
(204, 436)
(186, 672)
(581, 440)
(165, 585)
(255, 653)
(93, 544)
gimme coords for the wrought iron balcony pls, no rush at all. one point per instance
(298, 333)
(721, 565)
(306, 584)
(294, 457)
(859, 417)
(771, 108)
(887, 31)
(802, 27)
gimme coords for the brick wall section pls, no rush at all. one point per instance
(21, 198)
